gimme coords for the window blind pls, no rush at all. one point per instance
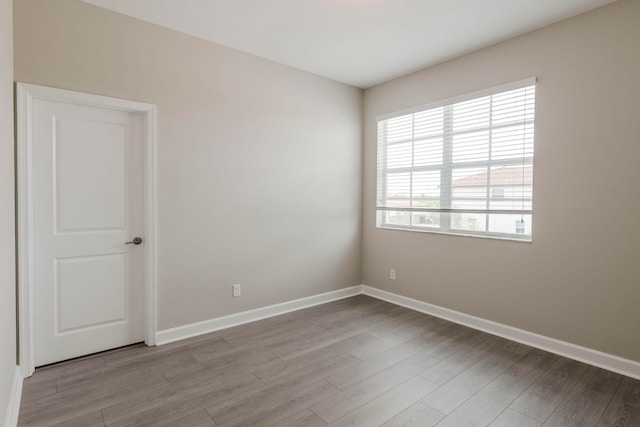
(463, 166)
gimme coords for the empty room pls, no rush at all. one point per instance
(319, 213)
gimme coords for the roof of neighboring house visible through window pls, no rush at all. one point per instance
(505, 176)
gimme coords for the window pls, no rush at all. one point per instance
(463, 166)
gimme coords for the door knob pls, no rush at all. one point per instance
(135, 241)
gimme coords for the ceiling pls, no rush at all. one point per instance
(358, 42)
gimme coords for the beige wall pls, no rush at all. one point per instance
(259, 164)
(7, 207)
(579, 279)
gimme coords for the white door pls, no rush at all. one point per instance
(87, 187)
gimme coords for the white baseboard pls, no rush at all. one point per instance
(194, 329)
(606, 361)
(13, 407)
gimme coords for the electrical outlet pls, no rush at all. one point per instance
(392, 274)
(236, 290)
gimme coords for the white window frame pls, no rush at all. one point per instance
(446, 169)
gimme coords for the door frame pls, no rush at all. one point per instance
(25, 95)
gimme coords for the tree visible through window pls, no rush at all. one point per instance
(461, 167)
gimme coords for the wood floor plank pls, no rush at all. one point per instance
(271, 408)
(280, 368)
(460, 388)
(487, 404)
(448, 340)
(198, 419)
(417, 415)
(221, 349)
(539, 400)
(178, 401)
(227, 409)
(351, 375)
(270, 335)
(329, 309)
(587, 401)
(93, 419)
(367, 390)
(33, 388)
(70, 368)
(316, 372)
(366, 317)
(388, 405)
(116, 376)
(624, 408)
(240, 362)
(292, 339)
(286, 407)
(324, 339)
(305, 418)
(400, 336)
(74, 403)
(361, 315)
(472, 352)
(125, 354)
(132, 357)
(403, 320)
(511, 418)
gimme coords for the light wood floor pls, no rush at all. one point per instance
(357, 361)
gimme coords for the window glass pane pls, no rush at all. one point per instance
(399, 155)
(509, 107)
(513, 204)
(398, 185)
(427, 152)
(513, 184)
(469, 204)
(429, 123)
(497, 193)
(426, 185)
(469, 182)
(468, 221)
(397, 217)
(511, 176)
(510, 224)
(473, 156)
(398, 202)
(426, 203)
(399, 128)
(512, 142)
(426, 219)
(471, 147)
(528, 140)
(472, 114)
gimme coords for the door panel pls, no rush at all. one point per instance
(81, 280)
(89, 204)
(88, 201)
